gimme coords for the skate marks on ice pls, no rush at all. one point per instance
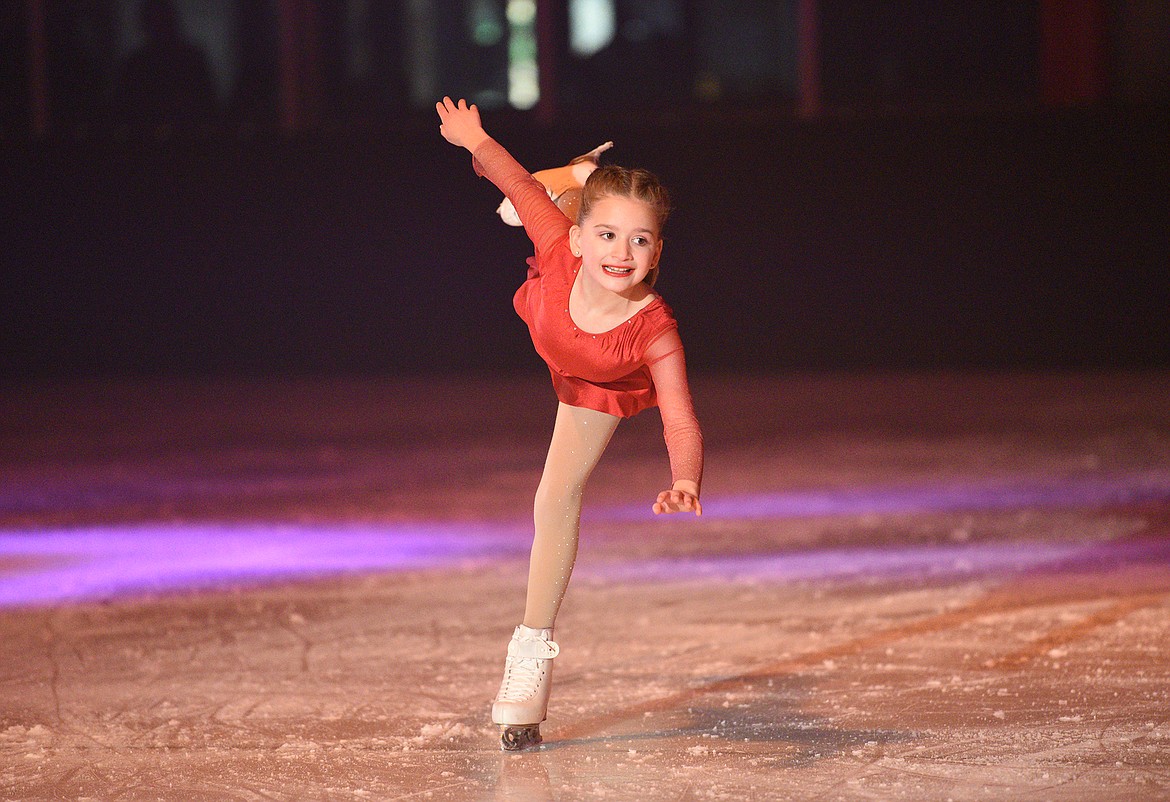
(1030, 684)
(1011, 684)
(906, 653)
(253, 693)
(884, 734)
(250, 694)
(1107, 610)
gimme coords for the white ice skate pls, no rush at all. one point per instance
(522, 702)
(563, 185)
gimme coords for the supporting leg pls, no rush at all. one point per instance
(579, 439)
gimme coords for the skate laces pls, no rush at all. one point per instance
(526, 666)
(522, 677)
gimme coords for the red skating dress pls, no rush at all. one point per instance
(632, 367)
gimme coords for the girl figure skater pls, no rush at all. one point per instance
(612, 348)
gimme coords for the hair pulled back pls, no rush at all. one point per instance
(623, 182)
(612, 180)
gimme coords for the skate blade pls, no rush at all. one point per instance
(519, 738)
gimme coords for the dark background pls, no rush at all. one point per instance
(939, 212)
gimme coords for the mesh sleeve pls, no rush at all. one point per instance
(543, 221)
(680, 427)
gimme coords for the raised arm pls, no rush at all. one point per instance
(461, 126)
(680, 427)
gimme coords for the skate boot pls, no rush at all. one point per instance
(522, 702)
(563, 185)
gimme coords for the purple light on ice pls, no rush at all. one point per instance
(1085, 491)
(46, 566)
(925, 560)
(97, 562)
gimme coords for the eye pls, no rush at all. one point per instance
(607, 235)
(641, 241)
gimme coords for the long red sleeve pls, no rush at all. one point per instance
(543, 221)
(680, 426)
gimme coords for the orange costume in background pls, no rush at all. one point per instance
(632, 367)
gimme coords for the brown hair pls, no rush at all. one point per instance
(622, 182)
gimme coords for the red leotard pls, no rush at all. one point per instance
(632, 367)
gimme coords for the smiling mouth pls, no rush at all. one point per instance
(617, 271)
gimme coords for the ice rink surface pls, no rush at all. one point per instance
(905, 587)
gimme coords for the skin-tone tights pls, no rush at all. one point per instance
(578, 441)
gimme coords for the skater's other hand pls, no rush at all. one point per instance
(460, 123)
(677, 500)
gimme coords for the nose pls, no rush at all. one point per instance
(622, 250)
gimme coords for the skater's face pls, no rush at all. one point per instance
(619, 242)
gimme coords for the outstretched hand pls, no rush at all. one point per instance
(677, 501)
(460, 124)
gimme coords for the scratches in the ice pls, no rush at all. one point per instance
(1061, 636)
(431, 791)
(52, 637)
(1007, 600)
(291, 623)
